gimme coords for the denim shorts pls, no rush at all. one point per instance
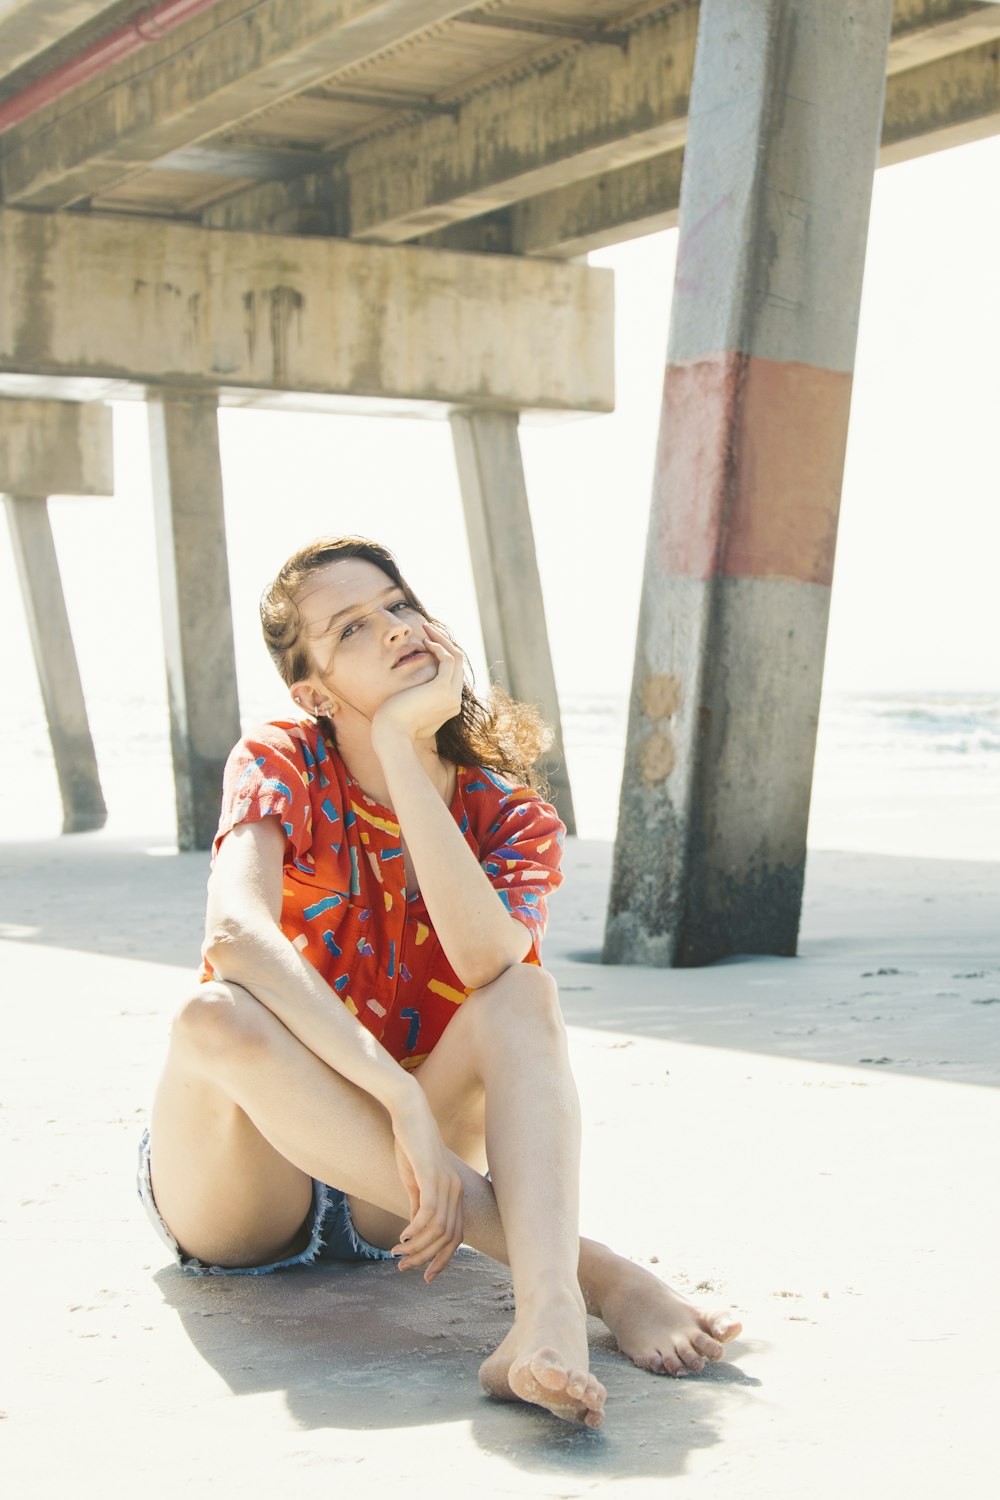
(332, 1235)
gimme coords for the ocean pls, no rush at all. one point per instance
(895, 773)
(913, 774)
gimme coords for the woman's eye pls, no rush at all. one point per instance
(349, 630)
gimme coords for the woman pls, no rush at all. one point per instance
(374, 1013)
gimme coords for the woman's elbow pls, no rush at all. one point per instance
(483, 969)
(231, 945)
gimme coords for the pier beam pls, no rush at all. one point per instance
(505, 568)
(49, 448)
(784, 129)
(195, 604)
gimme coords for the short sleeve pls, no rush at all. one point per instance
(521, 856)
(267, 775)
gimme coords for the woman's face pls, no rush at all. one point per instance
(365, 641)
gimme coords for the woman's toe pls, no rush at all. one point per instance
(595, 1395)
(706, 1345)
(726, 1327)
(689, 1356)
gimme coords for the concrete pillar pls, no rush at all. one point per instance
(783, 135)
(195, 603)
(508, 587)
(65, 448)
(55, 661)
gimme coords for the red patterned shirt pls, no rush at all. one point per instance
(345, 905)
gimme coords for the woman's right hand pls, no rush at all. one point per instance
(434, 1188)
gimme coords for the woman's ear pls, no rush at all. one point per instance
(312, 700)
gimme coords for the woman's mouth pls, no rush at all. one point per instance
(413, 655)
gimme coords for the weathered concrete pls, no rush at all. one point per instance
(932, 102)
(245, 59)
(595, 109)
(29, 27)
(238, 114)
(710, 855)
(923, 30)
(946, 102)
(194, 597)
(168, 304)
(55, 448)
(621, 204)
(505, 568)
(55, 662)
(585, 152)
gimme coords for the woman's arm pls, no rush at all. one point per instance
(479, 936)
(245, 945)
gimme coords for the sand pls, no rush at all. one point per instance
(812, 1141)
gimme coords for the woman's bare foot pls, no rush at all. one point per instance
(657, 1327)
(543, 1360)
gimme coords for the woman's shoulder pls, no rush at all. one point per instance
(285, 750)
(298, 738)
(283, 767)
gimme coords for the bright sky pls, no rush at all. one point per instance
(915, 590)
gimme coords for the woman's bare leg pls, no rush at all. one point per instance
(244, 1116)
(232, 1160)
(485, 1047)
(512, 1037)
(229, 1196)
(240, 1091)
(653, 1324)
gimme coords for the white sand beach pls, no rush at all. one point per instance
(810, 1140)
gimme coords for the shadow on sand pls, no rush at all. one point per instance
(364, 1348)
(121, 898)
(869, 990)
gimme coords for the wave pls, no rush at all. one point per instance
(924, 725)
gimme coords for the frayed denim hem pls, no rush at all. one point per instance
(332, 1233)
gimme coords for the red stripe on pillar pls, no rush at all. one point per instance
(749, 469)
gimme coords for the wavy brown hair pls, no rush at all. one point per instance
(506, 736)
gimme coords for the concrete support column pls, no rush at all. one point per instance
(508, 587)
(785, 118)
(195, 602)
(65, 448)
(55, 661)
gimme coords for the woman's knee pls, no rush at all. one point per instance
(220, 1020)
(523, 1000)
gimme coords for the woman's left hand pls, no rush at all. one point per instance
(420, 711)
(432, 1185)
